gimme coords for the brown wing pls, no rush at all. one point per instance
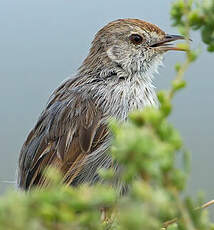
(68, 130)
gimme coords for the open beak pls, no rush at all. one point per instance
(164, 45)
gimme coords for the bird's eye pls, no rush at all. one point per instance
(136, 39)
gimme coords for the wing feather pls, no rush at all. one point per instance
(68, 130)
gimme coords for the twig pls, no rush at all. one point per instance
(205, 205)
(166, 224)
(169, 222)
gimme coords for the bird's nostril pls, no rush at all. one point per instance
(168, 36)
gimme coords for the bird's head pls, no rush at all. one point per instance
(130, 44)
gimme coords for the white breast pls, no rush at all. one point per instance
(130, 94)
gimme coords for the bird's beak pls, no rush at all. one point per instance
(164, 44)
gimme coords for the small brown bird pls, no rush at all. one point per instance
(116, 77)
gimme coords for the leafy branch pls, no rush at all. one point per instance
(147, 148)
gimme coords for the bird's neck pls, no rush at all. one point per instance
(119, 91)
(128, 94)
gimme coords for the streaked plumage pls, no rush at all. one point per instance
(116, 78)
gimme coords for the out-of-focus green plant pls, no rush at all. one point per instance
(146, 147)
(56, 207)
(198, 15)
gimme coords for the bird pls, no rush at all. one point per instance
(116, 78)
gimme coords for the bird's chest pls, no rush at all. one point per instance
(128, 97)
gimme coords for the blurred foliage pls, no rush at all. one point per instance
(146, 147)
(198, 15)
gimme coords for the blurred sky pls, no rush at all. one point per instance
(43, 42)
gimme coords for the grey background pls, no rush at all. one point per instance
(43, 42)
